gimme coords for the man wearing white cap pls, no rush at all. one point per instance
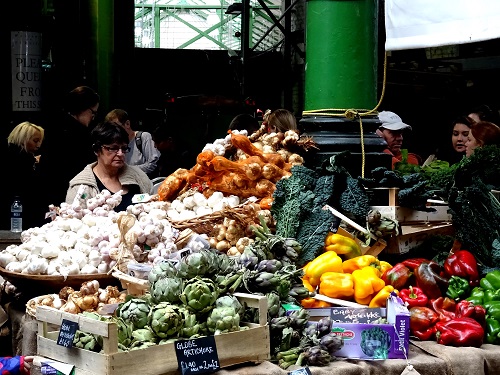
(391, 129)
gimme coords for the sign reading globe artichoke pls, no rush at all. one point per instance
(199, 294)
(135, 311)
(166, 320)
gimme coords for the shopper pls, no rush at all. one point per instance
(483, 133)
(16, 365)
(244, 121)
(142, 150)
(66, 149)
(391, 130)
(173, 152)
(484, 113)
(110, 171)
(19, 168)
(280, 120)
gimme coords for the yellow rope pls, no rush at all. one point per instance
(351, 114)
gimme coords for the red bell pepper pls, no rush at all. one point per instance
(423, 322)
(397, 276)
(468, 309)
(462, 263)
(445, 307)
(460, 332)
(429, 279)
(413, 263)
(413, 296)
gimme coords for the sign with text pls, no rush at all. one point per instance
(356, 315)
(197, 356)
(26, 70)
(67, 333)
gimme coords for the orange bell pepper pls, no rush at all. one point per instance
(367, 283)
(311, 303)
(337, 285)
(326, 262)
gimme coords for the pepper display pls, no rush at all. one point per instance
(458, 287)
(380, 299)
(398, 276)
(476, 296)
(357, 263)
(326, 262)
(491, 280)
(445, 307)
(337, 285)
(423, 322)
(342, 245)
(492, 334)
(413, 263)
(468, 309)
(460, 332)
(429, 279)
(462, 263)
(367, 284)
(413, 296)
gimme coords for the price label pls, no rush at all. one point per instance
(300, 371)
(67, 333)
(356, 315)
(197, 356)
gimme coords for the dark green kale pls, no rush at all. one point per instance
(416, 197)
(375, 342)
(354, 200)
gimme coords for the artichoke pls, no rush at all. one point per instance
(199, 295)
(166, 268)
(197, 264)
(191, 326)
(331, 343)
(124, 330)
(166, 320)
(166, 289)
(223, 319)
(144, 335)
(231, 301)
(135, 311)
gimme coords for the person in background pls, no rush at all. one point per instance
(66, 149)
(280, 120)
(391, 130)
(19, 166)
(244, 121)
(143, 153)
(482, 133)
(19, 364)
(455, 153)
(173, 153)
(110, 171)
(484, 113)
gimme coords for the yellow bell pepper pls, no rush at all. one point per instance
(384, 266)
(380, 299)
(337, 285)
(357, 263)
(367, 284)
(342, 245)
(326, 262)
(307, 284)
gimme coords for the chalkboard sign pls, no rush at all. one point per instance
(356, 315)
(67, 333)
(197, 356)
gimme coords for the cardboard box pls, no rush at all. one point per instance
(371, 341)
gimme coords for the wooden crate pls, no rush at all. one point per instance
(233, 348)
(414, 235)
(408, 216)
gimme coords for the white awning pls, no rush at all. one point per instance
(432, 23)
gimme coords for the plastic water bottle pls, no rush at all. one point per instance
(16, 216)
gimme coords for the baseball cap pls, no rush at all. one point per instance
(390, 120)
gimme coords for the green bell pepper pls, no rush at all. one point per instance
(491, 295)
(493, 309)
(492, 331)
(457, 287)
(491, 280)
(476, 296)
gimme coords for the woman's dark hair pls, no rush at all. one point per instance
(80, 99)
(246, 122)
(466, 120)
(107, 133)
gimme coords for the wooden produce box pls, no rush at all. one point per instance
(233, 348)
(404, 215)
(413, 235)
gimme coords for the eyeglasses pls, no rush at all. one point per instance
(93, 112)
(115, 149)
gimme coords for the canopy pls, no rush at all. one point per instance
(432, 23)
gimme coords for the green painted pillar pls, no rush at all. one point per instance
(101, 58)
(341, 54)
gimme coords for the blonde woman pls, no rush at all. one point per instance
(20, 173)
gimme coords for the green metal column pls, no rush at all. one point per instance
(341, 54)
(102, 45)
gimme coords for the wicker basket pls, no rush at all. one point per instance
(32, 304)
(205, 224)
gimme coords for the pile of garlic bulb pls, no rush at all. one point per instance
(73, 245)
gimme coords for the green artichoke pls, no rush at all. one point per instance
(135, 311)
(199, 294)
(161, 270)
(166, 320)
(144, 335)
(166, 289)
(231, 301)
(223, 319)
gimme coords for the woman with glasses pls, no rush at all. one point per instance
(110, 171)
(66, 147)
